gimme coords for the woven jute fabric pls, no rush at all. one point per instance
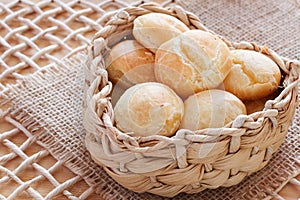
(48, 103)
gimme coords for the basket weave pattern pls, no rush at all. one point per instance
(190, 161)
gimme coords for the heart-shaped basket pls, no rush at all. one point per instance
(189, 161)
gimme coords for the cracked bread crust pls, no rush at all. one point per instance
(152, 30)
(192, 62)
(149, 109)
(130, 63)
(211, 109)
(253, 75)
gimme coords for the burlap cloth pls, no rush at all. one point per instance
(48, 103)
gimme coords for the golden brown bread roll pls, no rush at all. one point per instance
(151, 30)
(253, 75)
(211, 109)
(149, 109)
(130, 63)
(192, 62)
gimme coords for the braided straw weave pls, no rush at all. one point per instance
(190, 161)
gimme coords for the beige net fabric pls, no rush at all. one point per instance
(45, 108)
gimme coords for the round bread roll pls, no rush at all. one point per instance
(149, 109)
(211, 109)
(253, 75)
(192, 62)
(153, 29)
(130, 63)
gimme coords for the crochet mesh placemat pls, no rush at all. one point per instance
(46, 106)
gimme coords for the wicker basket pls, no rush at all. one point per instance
(190, 161)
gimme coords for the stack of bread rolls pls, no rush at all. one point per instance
(170, 77)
